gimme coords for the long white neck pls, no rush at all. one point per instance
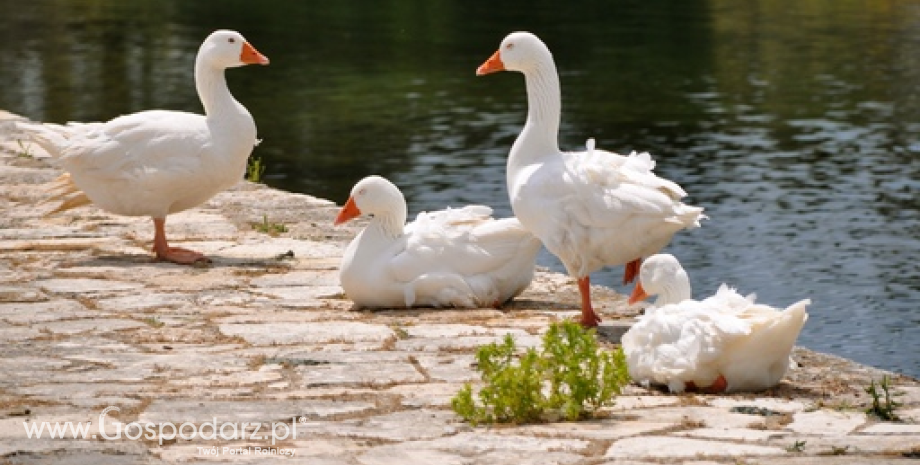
(675, 290)
(544, 107)
(389, 224)
(215, 96)
(539, 138)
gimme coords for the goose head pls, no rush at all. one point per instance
(519, 51)
(378, 197)
(229, 49)
(663, 276)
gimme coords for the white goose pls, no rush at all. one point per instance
(591, 208)
(723, 343)
(154, 163)
(448, 258)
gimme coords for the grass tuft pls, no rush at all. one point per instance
(272, 229)
(568, 377)
(883, 406)
(255, 169)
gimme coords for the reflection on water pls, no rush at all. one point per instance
(796, 126)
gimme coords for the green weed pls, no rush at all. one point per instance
(883, 405)
(25, 151)
(255, 169)
(272, 229)
(154, 322)
(568, 377)
(799, 446)
(400, 332)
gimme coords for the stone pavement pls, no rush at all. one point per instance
(263, 337)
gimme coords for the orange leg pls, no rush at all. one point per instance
(632, 271)
(172, 254)
(589, 319)
(718, 386)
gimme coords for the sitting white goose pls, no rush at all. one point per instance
(157, 162)
(448, 258)
(591, 208)
(723, 343)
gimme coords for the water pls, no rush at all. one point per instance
(796, 124)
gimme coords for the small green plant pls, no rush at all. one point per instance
(799, 446)
(272, 229)
(154, 322)
(882, 408)
(255, 169)
(399, 331)
(567, 377)
(25, 151)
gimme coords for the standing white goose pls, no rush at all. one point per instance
(592, 208)
(723, 343)
(157, 162)
(448, 258)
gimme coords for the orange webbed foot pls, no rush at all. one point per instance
(182, 256)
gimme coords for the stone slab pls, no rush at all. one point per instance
(410, 425)
(180, 411)
(826, 422)
(85, 285)
(660, 447)
(307, 333)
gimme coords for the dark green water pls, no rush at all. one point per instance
(796, 124)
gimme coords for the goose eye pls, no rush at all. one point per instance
(509, 46)
(362, 192)
(231, 40)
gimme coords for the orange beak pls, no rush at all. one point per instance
(492, 65)
(251, 56)
(638, 294)
(349, 211)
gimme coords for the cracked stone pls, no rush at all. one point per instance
(825, 422)
(460, 343)
(84, 394)
(776, 405)
(297, 278)
(594, 430)
(411, 425)
(265, 374)
(479, 442)
(85, 285)
(892, 428)
(269, 247)
(698, 416)
(103, 325)
(19, 294)
(370, 374)
(449, 367)
(735, 434)
(458, 330)
(144, 301)
(180, 411)
(637, 402)
(17, 333)
(426, 395)
(300, 296)
(34, 312)
(396, 455)
(661, 447)
(307, 333)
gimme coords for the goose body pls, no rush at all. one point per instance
(591, 208)
(726, 342)
(448, 258)
(158, 162)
